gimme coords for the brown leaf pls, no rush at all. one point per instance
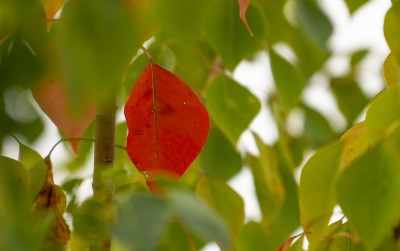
(243, 5)
(52, 198)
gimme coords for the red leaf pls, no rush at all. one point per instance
(288, 242)
(168, 125)
(52, 98)
(243, 5)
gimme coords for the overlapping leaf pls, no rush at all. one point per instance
(231, 106)
(229, 36)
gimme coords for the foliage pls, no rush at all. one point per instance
(76, 55)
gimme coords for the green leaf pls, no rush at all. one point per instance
(192, 65)
(181, 19)
(357, 57)
(392, 35)
(97, 44)
(289, 81)
(224, 200)
(218, 157)
(36, 167)
(391, 72)
(14, 187)
(387, 101)
(313, 21)
(316, 128)
(351, 100)
(267, 180)
(317, 190)
(176, 238)
(200, 219)
(358, 140)
(229, 35)
(252, 237)
(354, 5)
(141, 221)
(231, 106)
(368, 192)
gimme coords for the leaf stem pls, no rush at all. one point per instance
(81, 139)
(147, 53)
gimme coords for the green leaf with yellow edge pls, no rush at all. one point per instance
(231, 106)
(252, 237)
(229, 35)
(289, 81)
(224, 200)
(267, 180)
(391, 72)
(313, 21)
(141, 221)
(392, 19)
(219, 158)
(354, 5)
(200, 219)
(357, 140)
(384, 110)
(351, 100)
(36, 167)
(368, 192)
(14, 187)
(317, 190)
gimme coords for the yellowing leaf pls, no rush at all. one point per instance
(391, 71)
(357, 141)
(243, 5)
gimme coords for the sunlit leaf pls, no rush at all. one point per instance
(367, 192)
(168, 124)
(219, 158)
(358, 139)
(317, 190)
(391, 72)
(200, 219)
(289, 81)
(141, 221)
(387, 101)
(224, 200)
(231, 106)
(228, 34)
